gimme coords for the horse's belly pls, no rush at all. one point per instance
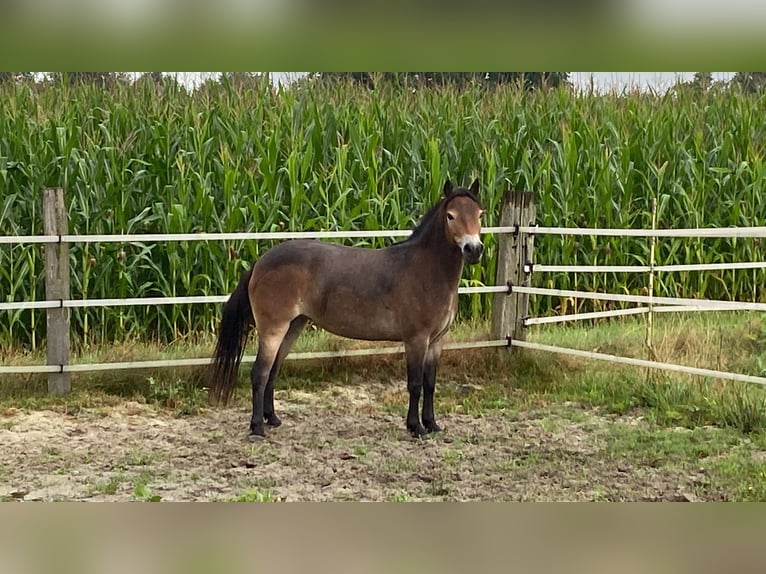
(360, 323)
(357, 317)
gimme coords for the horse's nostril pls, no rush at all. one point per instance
(473, 250)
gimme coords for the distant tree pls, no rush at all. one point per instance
(530, 80)
(16, 77)
(156, 77)
(750, 81)
(702, 80)
(100, 79)
(527, 80)
(157, 80)
(240, 79)
(239, 82)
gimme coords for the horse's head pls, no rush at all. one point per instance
(462, 220)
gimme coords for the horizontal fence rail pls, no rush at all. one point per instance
(718, 305)
(201, 362)
(397, 349)
(161, 237)
(529, 321)
(194, 299)
(240, 236)
(643, 268)
(541, 268)
(720, 232)
(692, 232)
(641, 362)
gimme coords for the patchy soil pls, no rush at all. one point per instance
(340, 443)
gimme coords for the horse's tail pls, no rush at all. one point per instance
(235, 327)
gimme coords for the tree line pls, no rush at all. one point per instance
(748, 81)
(529, 80)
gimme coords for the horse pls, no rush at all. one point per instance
(405, 292)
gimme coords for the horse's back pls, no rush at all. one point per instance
(315, 257)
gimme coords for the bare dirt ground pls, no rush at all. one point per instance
(339, 443)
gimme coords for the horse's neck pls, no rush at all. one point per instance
(446, 260)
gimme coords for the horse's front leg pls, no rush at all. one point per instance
(415, 352)
(429, 386)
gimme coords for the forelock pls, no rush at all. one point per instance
(463, 192)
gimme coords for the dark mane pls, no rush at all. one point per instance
(426, 224)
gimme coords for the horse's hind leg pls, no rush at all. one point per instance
(269, 341)
(429, 385)
(296, 328)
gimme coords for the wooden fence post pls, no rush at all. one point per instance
(55, 222)
(514, 253)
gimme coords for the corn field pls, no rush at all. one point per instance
(148, 158)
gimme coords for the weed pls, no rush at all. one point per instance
(452, 457)
(108, 487)
(183, 397)
(255, 495)
(739, 476)
(142, 491)
(438, 487)
(743, 409)
(399, 497)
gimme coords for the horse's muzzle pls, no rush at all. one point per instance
(472, 252)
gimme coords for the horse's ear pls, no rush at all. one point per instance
(475, 186)
(447, 188)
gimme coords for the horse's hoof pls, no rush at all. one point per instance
(254, 437)
(417, 431)
(257, 432)
(273, 421)
(433, 427)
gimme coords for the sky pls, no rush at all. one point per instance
(604, 81)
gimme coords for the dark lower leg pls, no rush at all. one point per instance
(415, 355)
(269, 415)
(413, 420)
(258, 384)
(429, 385)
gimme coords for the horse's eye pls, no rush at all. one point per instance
(450, 217)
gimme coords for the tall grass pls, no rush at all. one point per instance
(148, 158)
